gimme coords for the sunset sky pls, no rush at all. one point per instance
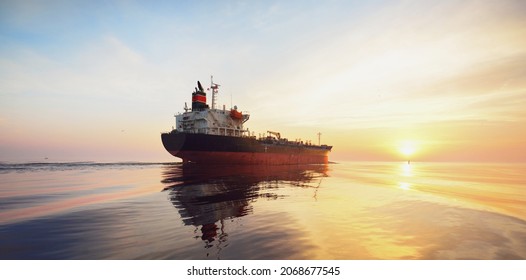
(100, 80)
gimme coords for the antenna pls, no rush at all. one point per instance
(319, 138)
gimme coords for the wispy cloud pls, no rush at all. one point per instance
(408, 63)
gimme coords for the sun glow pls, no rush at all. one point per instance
(407, 148)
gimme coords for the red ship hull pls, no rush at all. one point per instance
(249, 158)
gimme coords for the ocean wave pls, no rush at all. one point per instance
(57, 166)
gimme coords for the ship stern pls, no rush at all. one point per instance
(173, 142)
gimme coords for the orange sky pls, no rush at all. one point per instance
(448, 77)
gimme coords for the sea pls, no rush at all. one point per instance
(338, 211)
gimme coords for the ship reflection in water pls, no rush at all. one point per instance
(207, 197)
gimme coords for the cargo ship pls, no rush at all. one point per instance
(207, 135)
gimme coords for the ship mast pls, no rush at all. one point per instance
(215, 90)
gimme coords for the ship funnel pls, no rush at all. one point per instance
(199, 98)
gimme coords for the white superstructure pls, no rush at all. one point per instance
(201, 119)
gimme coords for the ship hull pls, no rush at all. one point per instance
(216, 149)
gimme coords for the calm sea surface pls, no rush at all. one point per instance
(336, 211)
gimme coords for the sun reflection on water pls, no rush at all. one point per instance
(407, 170)
(404, 186)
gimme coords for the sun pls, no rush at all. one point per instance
(407, 148)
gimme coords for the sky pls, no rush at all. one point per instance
(381, 80)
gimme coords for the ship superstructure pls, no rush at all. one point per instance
(211, 121)
(217, 136)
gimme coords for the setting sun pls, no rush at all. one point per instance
(407, 148)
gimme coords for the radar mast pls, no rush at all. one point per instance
(215, 90)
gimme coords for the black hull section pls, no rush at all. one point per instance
(215, 149)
